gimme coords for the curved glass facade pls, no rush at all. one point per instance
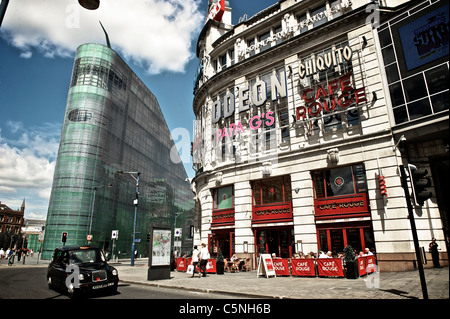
(113, 122)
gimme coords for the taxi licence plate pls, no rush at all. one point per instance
(103, 285)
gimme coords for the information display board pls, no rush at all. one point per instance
(265, 266)
(161, 247)
(159, 254)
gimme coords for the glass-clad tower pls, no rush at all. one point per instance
(114, 123)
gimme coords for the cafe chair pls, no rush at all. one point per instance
(246, 266)
(235, 266)
(225, 265)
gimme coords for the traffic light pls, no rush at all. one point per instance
(64, 237)
(420, 182)
(382, 184)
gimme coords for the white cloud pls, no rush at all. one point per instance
(22, 168)
(154, 33)
(27, 165)
(41, 141)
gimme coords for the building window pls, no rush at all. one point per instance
(223, 197)
(99, 73)
(303, 23)
(341, 192)
(271, 191)
(232, 58)
(264, 42)
(319, 16)
(342, 181)
(251, 46)
(78, 115)
(278, 30)
(223, 61)
(417, 74)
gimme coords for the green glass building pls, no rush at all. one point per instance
(114, 123)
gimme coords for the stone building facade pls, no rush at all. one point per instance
(294, 135)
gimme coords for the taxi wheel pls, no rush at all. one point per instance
(73, 292)
(49, 282)
(113, 289)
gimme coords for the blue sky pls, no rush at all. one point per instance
(38, 39)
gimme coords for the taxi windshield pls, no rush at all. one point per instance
(83, 256)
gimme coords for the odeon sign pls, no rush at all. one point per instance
(257, 96)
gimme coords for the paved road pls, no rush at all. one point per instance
(22, 282)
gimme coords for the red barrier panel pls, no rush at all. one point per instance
(181, 264)
(211, 266)
(281, 266)
(330, 267)
(370, 264)
(362, 266)
(189, 262)
(367, 265)
(303, 267)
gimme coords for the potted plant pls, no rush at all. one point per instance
(351, 263)
(219, 263)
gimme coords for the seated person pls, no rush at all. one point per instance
(235, 263)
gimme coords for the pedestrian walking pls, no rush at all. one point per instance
(195, 259)
(11, 257)
(2, 253)
(204, 256)
(19, 254)
(433, 248)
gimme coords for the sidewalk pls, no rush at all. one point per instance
(386, 285)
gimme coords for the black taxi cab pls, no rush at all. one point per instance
(81, 269)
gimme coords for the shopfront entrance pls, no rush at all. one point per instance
(222, 240)
(341, 193)
(275, 241)
(335, 237)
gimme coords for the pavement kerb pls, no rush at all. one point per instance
(203, 290)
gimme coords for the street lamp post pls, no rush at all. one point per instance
(3, 6)
(96, 188)
(89, 4)
(175, 226)
(135, 202)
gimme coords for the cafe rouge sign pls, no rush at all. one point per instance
(346, 206)
(264, 213)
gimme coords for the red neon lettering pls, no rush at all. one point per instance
(326, 105)
(301, 112)
(320, 92)
(346, 82)
(360, 95)
(333, 86)
(317, 112)
(307, 100)
(345, 100)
